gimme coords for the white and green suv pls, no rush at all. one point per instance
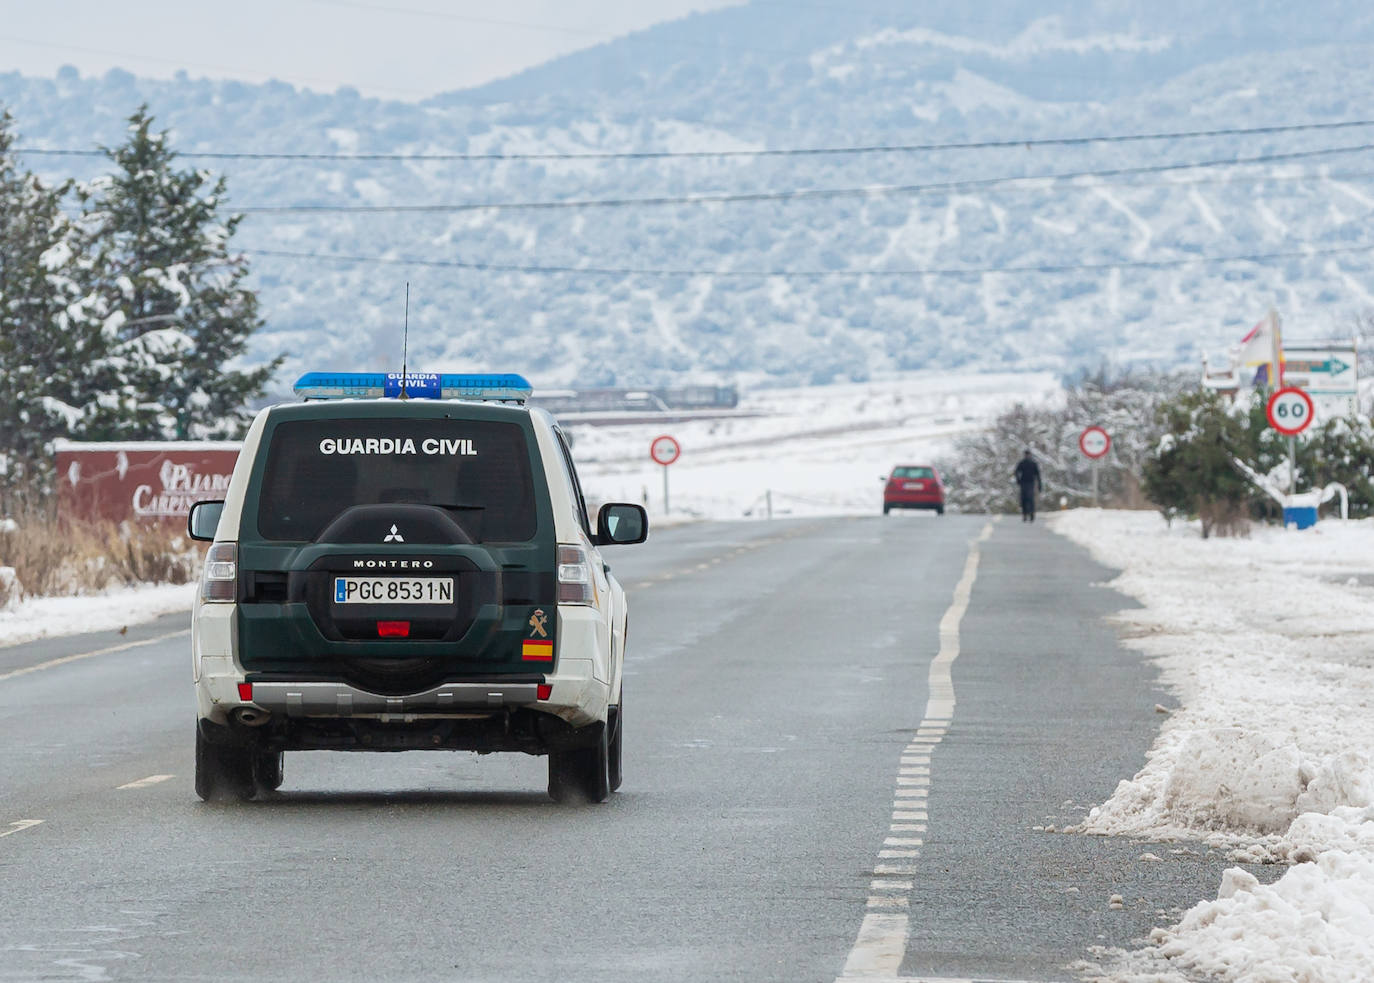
(398, 567)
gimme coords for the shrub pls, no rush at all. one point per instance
(50, 557)
(1192, 469)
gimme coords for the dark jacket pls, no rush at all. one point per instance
(1028, 475)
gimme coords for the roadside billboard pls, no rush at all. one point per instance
(1327, 372)
(146, 481)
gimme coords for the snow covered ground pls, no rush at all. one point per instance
(1266, 644)
(819, 450)
(43, 617)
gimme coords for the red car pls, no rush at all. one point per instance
(914, 486)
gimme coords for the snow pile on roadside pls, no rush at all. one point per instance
(1264, 642)
(43, 617)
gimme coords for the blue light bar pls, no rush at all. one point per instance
(503, 387)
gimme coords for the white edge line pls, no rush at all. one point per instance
(52, 663)
(20, 825)
(880, 948)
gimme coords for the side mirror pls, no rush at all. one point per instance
(620, 524)
(203, 520)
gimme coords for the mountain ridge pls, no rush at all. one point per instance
(865, 308)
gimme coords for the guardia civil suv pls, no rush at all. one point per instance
(407, 562)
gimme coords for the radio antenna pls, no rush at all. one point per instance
(405, 344)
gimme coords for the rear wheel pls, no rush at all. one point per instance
(268, 770)
(939, 510)
(582, 774)
(224, 773)
(886, 509)
(617, 725)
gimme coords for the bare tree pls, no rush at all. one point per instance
(979, 475)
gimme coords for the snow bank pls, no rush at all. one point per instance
(1313, 924)
(1264, 643)
(42, 617)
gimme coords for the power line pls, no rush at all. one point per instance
(1163, 264)
(779, 152)
(805, 194)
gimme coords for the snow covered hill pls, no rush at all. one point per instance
(1046, 275)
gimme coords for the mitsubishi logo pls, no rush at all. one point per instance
(394, 536)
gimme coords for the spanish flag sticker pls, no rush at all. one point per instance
(537, 650)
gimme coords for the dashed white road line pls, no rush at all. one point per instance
(51, 663)
(881, 945)
(145, 782)
(20, 825)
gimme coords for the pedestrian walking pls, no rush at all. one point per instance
(1027, 475)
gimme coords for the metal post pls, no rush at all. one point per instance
(665, 489)
(768, 497)
(1292, 465)
(1096, 503)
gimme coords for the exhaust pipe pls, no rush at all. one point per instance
(250, 716)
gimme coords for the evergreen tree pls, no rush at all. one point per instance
(1340, 450)
(1192, 471)
(176, 292)
(55, 358)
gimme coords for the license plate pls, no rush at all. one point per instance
(393, 590)
(915, 485)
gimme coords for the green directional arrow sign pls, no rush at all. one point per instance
(1332, 366)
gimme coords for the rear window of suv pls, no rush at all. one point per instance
(478, 470)
(913, 473)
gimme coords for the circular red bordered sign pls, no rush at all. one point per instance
(664, 450)
(1290, 411)
(1094, 442)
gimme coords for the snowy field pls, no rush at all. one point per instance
(1266, 644)
(819, 450)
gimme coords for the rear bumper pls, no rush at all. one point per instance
(914, 502)
(579, 694)
(343, 700)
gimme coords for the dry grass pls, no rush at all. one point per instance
(1224, 519)
(55, 558)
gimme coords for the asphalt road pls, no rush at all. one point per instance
(780, 789)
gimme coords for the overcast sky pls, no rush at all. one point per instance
(404, 49)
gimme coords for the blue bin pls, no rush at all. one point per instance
(1304, 517)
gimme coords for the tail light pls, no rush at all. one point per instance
(220, 580)
(575, 576)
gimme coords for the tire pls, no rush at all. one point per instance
(582, 774)
(939, 510)
(887, 509)
(268, 770)
(616, 723)
(224, 773)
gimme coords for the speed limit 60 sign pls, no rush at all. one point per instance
(1290, 411)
